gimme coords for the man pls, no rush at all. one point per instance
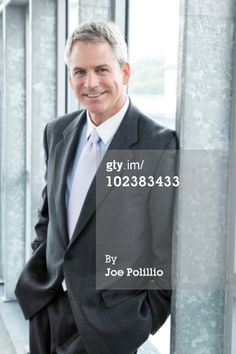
(57, 288)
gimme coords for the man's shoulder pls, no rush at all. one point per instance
(155, 135)
(59, 124)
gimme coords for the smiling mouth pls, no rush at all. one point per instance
(94, 95)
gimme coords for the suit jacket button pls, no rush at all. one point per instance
(51, 291)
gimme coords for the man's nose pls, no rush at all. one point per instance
(91, 80)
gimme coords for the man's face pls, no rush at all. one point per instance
(97, 79)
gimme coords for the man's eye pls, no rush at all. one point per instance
(79, 73)
(102, 70)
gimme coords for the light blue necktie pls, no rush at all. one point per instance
(85, 171)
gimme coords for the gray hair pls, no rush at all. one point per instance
(99, 32)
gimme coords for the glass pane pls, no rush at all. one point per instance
(161, 340)
(73, 15)
(153, 51)
(153, 33)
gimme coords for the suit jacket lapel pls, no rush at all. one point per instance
(126, 135)
(64, 154)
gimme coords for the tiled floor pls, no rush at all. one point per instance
(6, 345)
(13, 327)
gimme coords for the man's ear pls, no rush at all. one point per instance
(126, 73)
(69, 77)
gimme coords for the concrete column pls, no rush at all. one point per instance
(13, 146)
(1, 116)
(42, 98)
(95, 10)
(204, 124)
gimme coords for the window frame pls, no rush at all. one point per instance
(172, 120)
(121, 16)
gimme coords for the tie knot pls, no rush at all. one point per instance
(94, 137)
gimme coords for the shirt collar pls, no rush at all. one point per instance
(107, 129)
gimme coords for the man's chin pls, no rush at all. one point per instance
(98, 117)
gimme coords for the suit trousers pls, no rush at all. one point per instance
(53, 329)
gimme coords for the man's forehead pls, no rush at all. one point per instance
(92, 54)
(94, 45)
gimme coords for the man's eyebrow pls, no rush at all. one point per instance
(96, 67)
(78, 68)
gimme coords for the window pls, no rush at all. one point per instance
(153, 31)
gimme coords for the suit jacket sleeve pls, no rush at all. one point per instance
(43, 218)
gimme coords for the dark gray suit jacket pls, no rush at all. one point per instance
(109, 321)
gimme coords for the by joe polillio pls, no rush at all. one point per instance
(129, 271)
